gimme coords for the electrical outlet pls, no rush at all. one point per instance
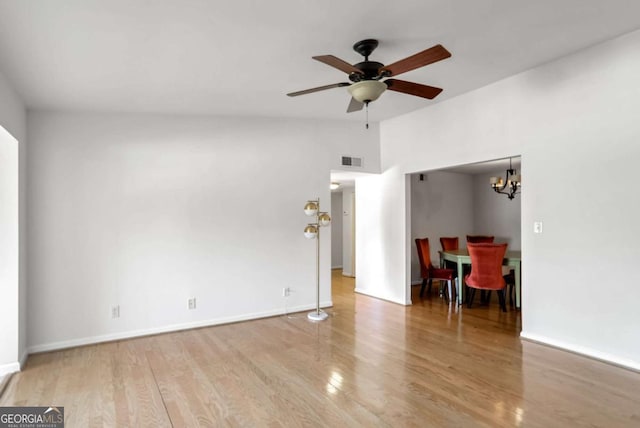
(192, 303)
(286, 292)
(115, 311)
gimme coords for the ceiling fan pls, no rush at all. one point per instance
(366, 77)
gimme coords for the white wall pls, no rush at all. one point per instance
(495, 214)
(348, 209)
(383, 228)
(148, 211)
(441, 205)
(9, 248)
(336, 230)
(12, 229)
(575, 123)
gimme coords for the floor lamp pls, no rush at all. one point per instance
(312, 231)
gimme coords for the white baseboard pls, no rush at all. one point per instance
(23, 358)
(336, 267)
(387, 298)
(6, 369)
(167, 329)
(582, 350)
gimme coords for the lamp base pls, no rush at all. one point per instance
(317, 316)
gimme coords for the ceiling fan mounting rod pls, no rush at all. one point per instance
(365, 47)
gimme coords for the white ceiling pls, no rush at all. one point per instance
(242, 57)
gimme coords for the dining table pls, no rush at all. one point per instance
(461, 257)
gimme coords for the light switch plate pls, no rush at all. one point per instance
(537, 227)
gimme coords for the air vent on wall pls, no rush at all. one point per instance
(351, 162)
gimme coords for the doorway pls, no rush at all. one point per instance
(343, 243)
(343, 214)
(343, 230)
(459, 201)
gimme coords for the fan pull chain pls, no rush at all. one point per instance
(367, 115)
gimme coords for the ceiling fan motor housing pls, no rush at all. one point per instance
(370, 71)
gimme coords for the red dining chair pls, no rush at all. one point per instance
(486, 271)
(480, 239)
(448, 244)
(428, 272)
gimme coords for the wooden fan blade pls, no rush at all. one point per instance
(354, 105)
(411, 88)
(426, 57)
(319, 88)
(336, 62)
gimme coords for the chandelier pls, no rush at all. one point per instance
(510, 186)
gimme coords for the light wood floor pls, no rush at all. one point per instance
(372, 364)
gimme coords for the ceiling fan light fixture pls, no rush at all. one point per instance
(367, 90)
